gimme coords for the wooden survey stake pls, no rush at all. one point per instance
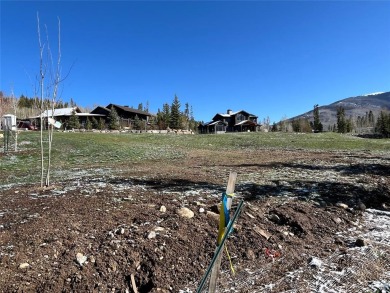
(215, 271)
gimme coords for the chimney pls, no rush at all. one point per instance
(229, 111)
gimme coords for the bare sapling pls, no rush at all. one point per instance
(47, 104)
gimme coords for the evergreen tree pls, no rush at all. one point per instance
(160, 121)
(88, 124)
(383, 124)
(101, 124)
(137, 123)
(74, 122)
(317, 125)
(175, 120)
(113, 120)
(166, 115)
(95, 123)
(341, 123)
(140, 107)
(371, 119)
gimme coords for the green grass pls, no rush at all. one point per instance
(78, 151)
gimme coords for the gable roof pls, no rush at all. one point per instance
(59, 112)
(128, 109)
(231, 114)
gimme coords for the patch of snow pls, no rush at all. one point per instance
(373, 94)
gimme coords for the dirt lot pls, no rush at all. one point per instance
(93, 233)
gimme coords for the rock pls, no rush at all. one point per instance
(201, 210)
(342, 205)
(81, 258)
(213, 216)
(185, 213)
(250, 254)
(152, 234)
(274, 218)
(360, 242)
(262, 232)
(120, 231)
(24, 265)
(315, 262)
(163, 209)
(337, 220)
(159, 229)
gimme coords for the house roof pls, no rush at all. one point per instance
(214, 123)
(246, 122)
(58, 112)
(128, 109)
(226, 115)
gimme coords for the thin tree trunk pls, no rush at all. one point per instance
(41, 79)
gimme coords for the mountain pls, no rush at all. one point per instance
(353, 106)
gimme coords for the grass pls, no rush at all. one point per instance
(88, 151)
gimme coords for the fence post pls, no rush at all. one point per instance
(216, 268)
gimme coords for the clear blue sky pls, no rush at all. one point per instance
(270, 58)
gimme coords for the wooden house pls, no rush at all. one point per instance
(126, 114)
(240, 121)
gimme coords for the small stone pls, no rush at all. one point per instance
(163, 209)
(201, 210)
(92, 259)
(342, 205)
(360, 242)
(315, 262)
(152, 235)
(337, 220)
(212, 215)
(274, 218)
(159, 229)
(24, 266)
(185, 213)
(81, 258)
(250, 254)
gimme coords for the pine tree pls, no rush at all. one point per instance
(101, 124)
(137, 123)
(166, 115)
(113, 120)
(74, 122)
(175, 120)
(341, 124)
(95, 123)
(383, 124)
(317, 125)
(88, 124)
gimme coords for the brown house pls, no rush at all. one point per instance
(126, 114)
(240, 121)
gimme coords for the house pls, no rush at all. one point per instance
(240, 121)
(126, 114)
(63, 114)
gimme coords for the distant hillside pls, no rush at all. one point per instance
(353, 106)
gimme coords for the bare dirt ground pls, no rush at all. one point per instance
(93, 232)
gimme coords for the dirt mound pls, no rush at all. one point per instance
(96, 234)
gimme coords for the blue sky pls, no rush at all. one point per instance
(270, 58)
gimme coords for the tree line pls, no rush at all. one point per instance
(361, 124)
